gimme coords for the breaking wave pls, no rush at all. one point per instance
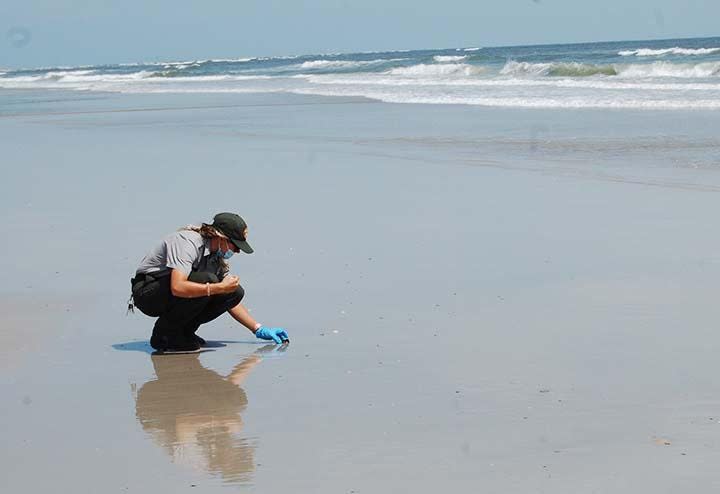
(449, 58)
(341, 64)
(574, 69)
(442, 70)
(668, 69)
(570, 69)
(62, 76)
(649, 52)
(577, 76)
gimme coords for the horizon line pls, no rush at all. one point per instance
(397, 50)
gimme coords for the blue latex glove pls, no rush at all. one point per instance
(278, 335)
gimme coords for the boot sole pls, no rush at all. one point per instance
(181, 352)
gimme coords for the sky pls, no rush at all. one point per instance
(41, 33)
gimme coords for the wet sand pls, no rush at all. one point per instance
(478, 300)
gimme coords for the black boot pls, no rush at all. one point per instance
(182, 344)
(163, 340)
(159, 339)
(190, 332)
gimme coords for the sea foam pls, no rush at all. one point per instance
(530, 101)
(639, 70)
(523, 77)
(650, 52)
(439, 70)
(449, 58)
(668, 69)
(340, 64)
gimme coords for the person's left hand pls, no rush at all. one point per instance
(278, 335)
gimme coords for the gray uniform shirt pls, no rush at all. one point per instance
(185, 250)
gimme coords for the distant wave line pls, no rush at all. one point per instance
(651, 52)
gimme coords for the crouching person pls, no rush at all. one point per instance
(184, 281)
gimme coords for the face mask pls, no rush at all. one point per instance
(225, 254)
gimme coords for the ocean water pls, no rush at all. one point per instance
(678, 74)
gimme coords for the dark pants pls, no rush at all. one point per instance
(179, 318)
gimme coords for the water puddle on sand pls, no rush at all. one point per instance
(194, 414)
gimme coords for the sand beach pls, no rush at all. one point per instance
(479, 299)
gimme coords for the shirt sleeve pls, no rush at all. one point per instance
(181, 254)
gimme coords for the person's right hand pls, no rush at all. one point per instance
(229, 284)
(278, 335)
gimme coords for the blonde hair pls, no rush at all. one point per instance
(210, 232)
(207, 231)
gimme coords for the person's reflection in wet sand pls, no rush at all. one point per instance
(194, 414)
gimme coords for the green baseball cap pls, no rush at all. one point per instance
(233, 227)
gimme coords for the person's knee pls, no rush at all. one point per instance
(203, 277)
(239, 293)
(232, 299)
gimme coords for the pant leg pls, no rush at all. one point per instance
(183, 316)
(151, 295)
(170, 328)
(217, 306)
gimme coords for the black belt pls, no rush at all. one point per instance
(147, 277)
